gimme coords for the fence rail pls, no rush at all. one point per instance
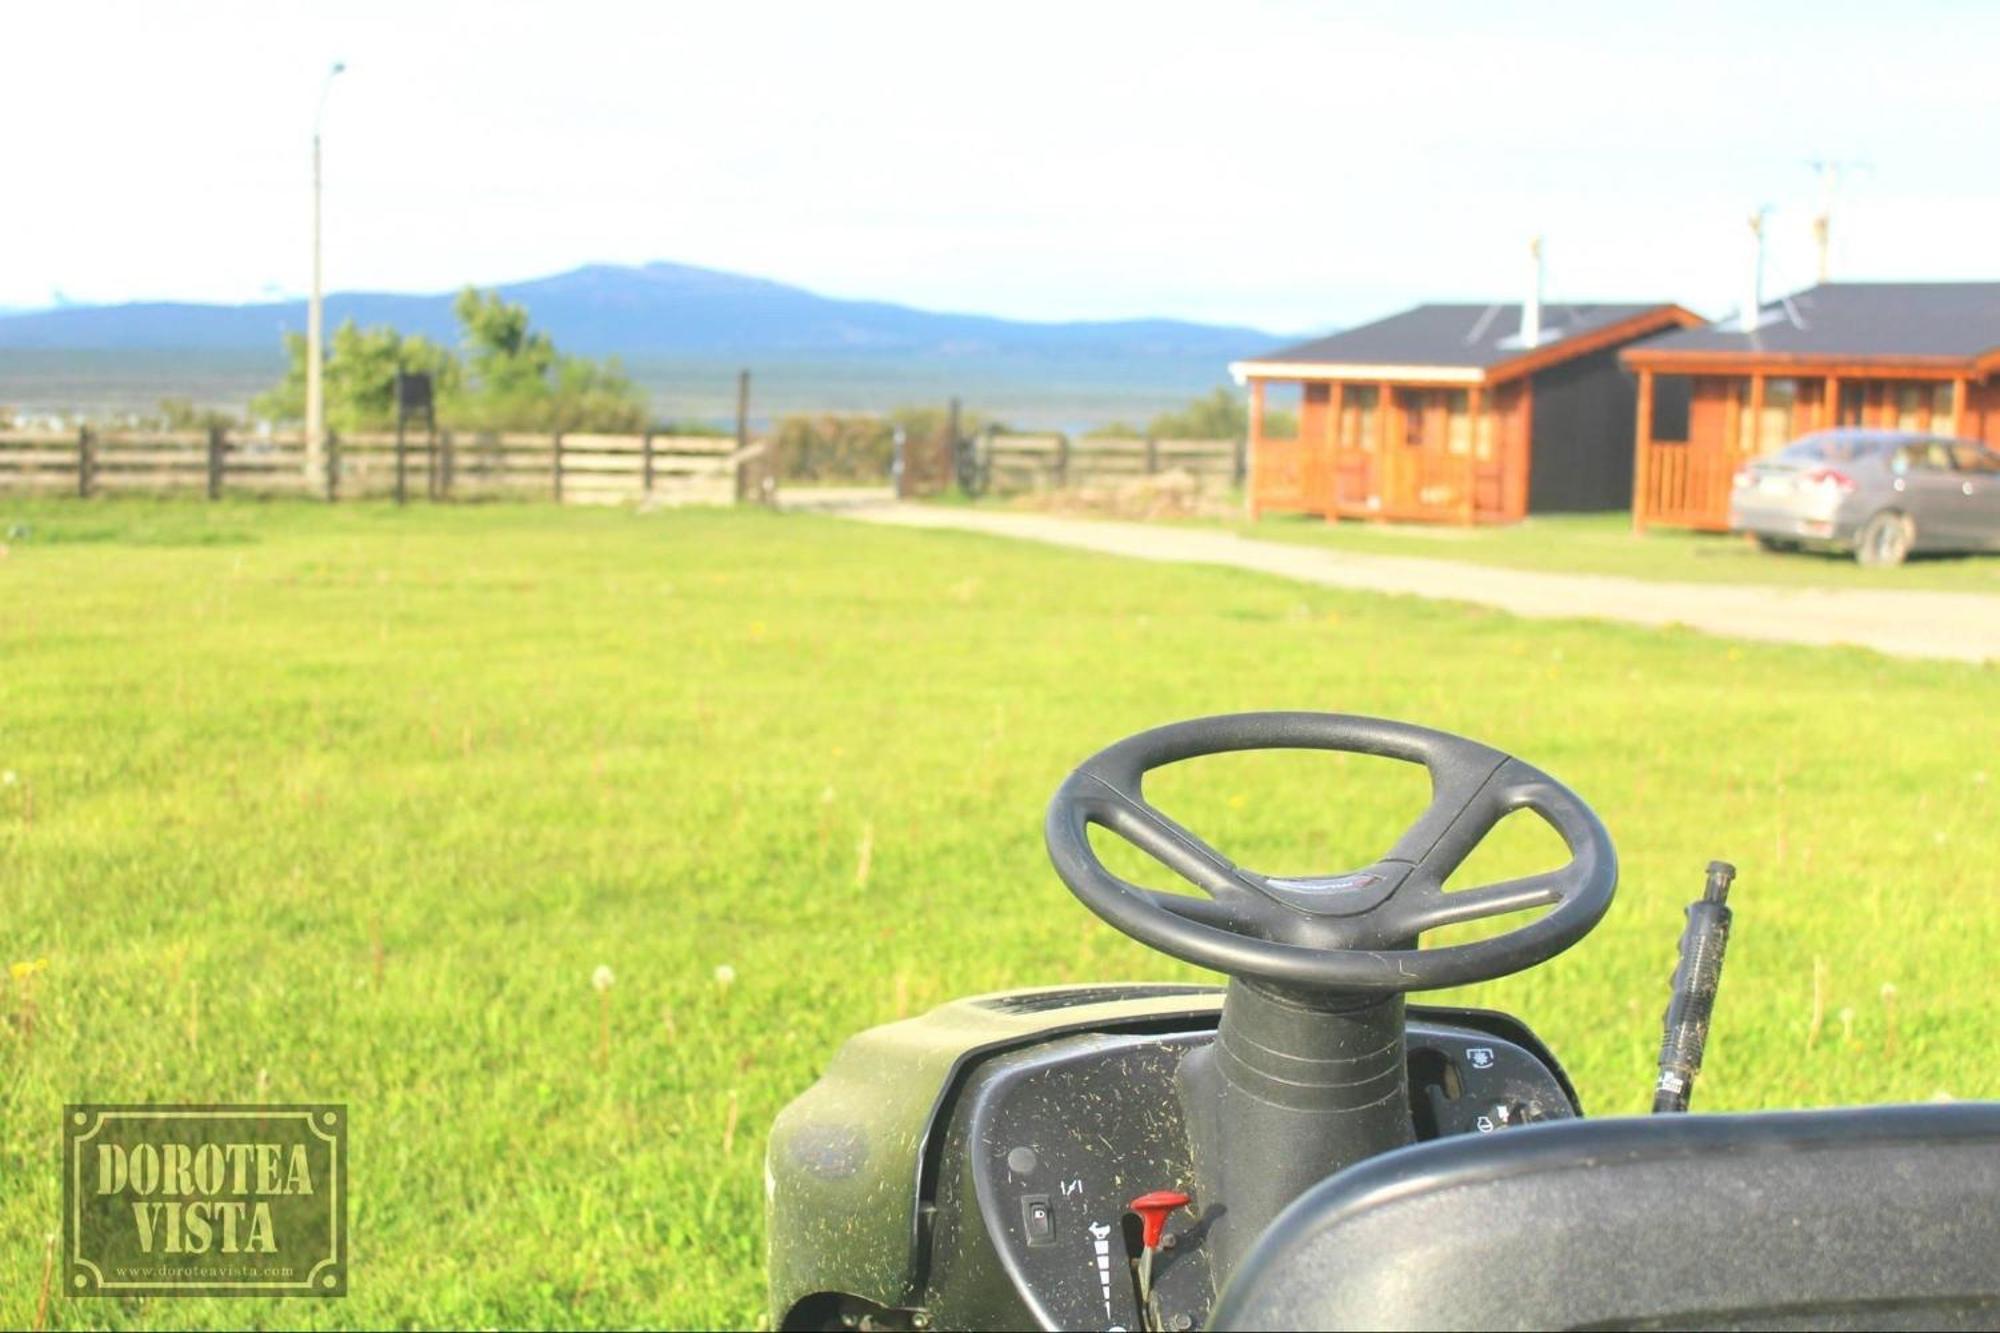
(572, 469)
(1050, 462)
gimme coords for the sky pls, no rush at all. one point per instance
(1288, 166)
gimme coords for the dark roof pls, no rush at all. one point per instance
(1453, 335)
(1859, 319)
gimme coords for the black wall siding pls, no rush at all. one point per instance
(1582, 439)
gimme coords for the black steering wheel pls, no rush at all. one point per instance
(1355, 932)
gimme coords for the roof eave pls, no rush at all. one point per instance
(1751, 360)
(1526, 362)
(1354, 373)
(1593, 340)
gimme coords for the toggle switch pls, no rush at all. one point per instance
(1036, 1219)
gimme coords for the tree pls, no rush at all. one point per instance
(359, 381)
(516, 378)
(1219, 416)
(510, 378)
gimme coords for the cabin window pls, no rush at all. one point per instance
(1457, 423)
(1437, 419)
(1282, 401)
(1924, 406)
(1909, 407)
(1673, 404)
(1774, 426)
(1357, 417)
(1781, 401)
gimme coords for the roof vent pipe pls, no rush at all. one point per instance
(1753, 296)
(1531, 312)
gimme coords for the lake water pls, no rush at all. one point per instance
(1027, 393)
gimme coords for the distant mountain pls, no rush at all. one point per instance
(659, 310)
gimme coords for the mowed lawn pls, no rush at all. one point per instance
(308, 804)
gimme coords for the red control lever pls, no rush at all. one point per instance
(1154, 1208)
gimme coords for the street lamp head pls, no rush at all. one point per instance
(325, 87)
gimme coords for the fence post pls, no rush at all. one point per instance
(555, 463)
(402, 464)
(1242, 466)
(1059, 466)
(447, 464)
(646, 463)
(432, 479)
(86, 461)
(1152, 455)
(215, 462)
(746, 481)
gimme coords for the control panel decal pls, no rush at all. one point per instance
(1100, 1239)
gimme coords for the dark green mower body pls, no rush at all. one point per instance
(1304, 1149)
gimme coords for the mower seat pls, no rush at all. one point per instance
(1867, 1218)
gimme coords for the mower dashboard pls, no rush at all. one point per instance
(1047, 1145)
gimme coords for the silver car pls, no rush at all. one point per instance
(1880, 494)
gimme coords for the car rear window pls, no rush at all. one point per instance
(1829, 449)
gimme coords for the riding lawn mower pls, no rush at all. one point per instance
(1306, 1149)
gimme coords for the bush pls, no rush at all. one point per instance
(829, 446)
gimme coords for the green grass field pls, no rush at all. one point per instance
(1606, 544)
(308, 804)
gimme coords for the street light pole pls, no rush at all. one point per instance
(315, 317)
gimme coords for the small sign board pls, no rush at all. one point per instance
(413, 392)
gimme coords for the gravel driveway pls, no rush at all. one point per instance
(1960, 626)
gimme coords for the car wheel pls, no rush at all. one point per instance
(1775, 543)
(1885, 539)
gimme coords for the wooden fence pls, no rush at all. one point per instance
(569, 469)
(1049, 462)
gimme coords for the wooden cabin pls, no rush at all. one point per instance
(1918, 356)
(1455, 414)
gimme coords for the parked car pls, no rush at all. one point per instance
(1880, 494)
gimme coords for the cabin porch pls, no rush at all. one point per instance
(1437, 451)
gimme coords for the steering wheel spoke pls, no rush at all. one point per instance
(1465, 805)
(1142, 825)
(1428, 909)
(1205, 911)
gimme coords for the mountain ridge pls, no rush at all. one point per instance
(658, 309)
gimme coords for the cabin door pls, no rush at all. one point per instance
(1433, 464)
(1357, 443)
